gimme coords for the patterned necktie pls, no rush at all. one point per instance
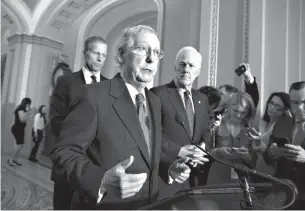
(144, 119)
(299, 133)
(93, 79)
(189, 110)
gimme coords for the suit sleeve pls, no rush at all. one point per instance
(164, 165)
(171, 148)
(59, 104)
(252, 90)
(69, 154)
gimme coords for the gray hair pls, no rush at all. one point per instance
(191, 49)
(127, 40)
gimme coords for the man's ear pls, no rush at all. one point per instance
(198, 71)
(120, 55)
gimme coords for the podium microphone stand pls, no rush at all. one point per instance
(247, 203)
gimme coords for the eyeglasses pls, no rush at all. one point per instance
(276, 106)
(144, 51)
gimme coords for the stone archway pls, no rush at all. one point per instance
(101, 8)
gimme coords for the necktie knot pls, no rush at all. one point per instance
(187, 93)
(140, 98)
(93, 78)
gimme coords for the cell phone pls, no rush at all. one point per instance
(287, 113)
(217, 112)
(280, 142)
(240, 70)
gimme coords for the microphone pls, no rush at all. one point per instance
(242, 170)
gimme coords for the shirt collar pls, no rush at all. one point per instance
(182, 90)
(133, 91)
(88, 74)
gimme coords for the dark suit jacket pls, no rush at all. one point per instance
(252, 90)
(175, 136)
(286, 169)
(65, 89)
(102, 130)
(172, 104)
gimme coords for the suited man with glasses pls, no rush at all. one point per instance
(66, 88)
(110, 144)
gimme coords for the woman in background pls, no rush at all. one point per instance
(232, 142)
(22, 114)
(38, 131)
(277, 105)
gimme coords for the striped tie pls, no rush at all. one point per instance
(189, 110)
(144, 119)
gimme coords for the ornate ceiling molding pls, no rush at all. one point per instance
(20, 22)
(35, 39)
(29, 18)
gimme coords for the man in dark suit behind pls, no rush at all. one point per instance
(290, 159)
(66, 88)
(178, 98)
(109, 147)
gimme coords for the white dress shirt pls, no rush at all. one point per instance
(88, 74)
(181, 93)
(38, 122)
(133, 93)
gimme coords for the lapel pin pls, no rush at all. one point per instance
(199, 101)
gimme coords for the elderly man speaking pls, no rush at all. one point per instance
(109, 147)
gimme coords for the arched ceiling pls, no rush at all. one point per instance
(51, 16)
(39, 15)
(70, 21)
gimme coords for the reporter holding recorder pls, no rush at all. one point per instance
(290, 159)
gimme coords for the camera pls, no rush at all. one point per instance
(240, 70)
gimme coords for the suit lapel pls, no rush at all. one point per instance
(79, 76)
(126, 111)
(198, 114)
(177, 103)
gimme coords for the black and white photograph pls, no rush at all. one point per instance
(152, 105)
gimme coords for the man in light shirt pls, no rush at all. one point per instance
(66, 88)
(110, 144)
(38, 131)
